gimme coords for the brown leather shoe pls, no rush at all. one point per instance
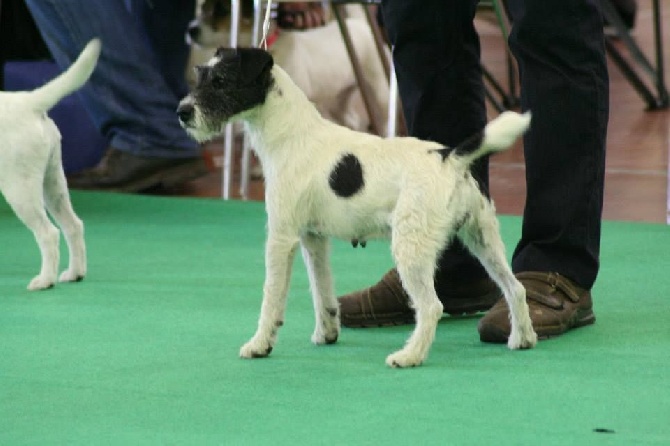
(556, 305)
(387, 303)
(120, 171)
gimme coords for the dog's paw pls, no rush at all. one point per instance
(522, 339)
(41, 283)
(71, 276)
(404, 358)
(320, 337)
(327, 328)
(255, 348)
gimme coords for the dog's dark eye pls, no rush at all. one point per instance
(221, 10)
(218, 82)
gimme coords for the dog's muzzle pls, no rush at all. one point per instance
(186, 112)
(193, 32)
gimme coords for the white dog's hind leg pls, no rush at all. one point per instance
(326, 309)
(481, 235)
(58, 203)
(27, 202)
(417, 280)
(279, 254)
(416, 242)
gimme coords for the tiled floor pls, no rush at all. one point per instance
(638, 141)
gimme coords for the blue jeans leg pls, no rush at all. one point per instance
(128, 95)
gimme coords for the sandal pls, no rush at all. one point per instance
(300, 16)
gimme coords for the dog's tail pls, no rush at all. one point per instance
(497, 136)
(74, 77)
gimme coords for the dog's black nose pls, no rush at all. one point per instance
(194, 32)
(185, 112)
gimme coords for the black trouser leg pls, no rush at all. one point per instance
(436, 55)
(559, 48)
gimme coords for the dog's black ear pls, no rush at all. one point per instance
(255, 64)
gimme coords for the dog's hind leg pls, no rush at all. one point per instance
(315, 250)
(58, 203)
(415, 252)
(417, 279)
(279, 254)
(26, 200)
(481, 235)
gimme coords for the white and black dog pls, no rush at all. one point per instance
(31, 171)
(325, 180)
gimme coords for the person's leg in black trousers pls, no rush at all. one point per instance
(436, 54)
(560, 52)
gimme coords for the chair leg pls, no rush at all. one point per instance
(659, 98)
(229, 134)
(380, 44)
(358, 72)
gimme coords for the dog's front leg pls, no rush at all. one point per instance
(279, 254)
(315, 251)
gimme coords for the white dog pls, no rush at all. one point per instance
(31, 172)
(316, 59)
(325, 180)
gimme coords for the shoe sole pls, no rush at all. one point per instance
(408, 319)
(581, 319)
(379, 322)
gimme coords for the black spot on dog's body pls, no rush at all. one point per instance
(484, 190)
(346, 178)
(468, 146)
(471, 144)
(444, 152)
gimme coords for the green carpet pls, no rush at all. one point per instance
(144, 351)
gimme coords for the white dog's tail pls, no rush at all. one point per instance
(497, 136)
(74, 77)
